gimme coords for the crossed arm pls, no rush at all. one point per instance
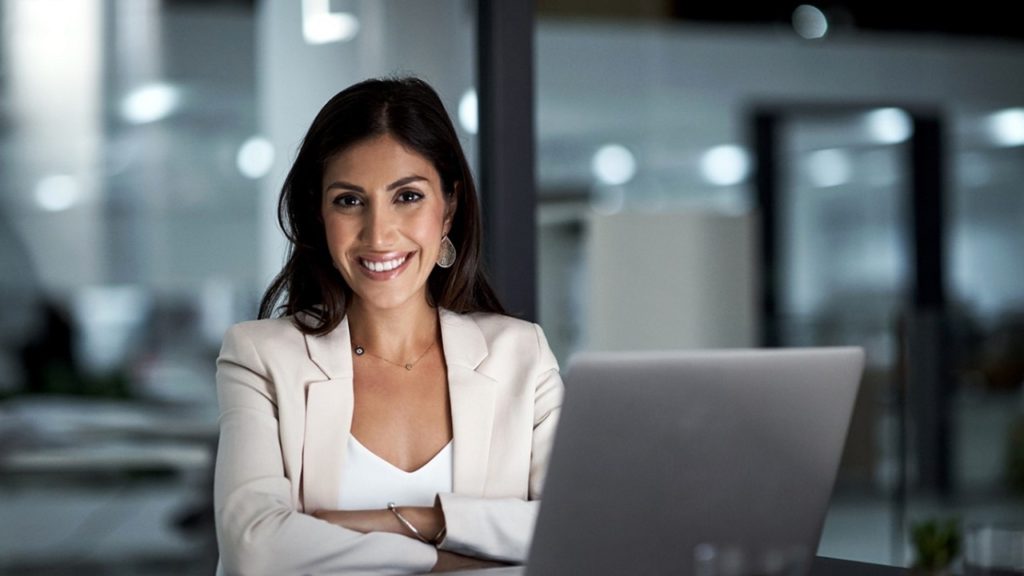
(429, 520)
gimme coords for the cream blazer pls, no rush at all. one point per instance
(286, 404)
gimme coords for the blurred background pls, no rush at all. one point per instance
(778, 174)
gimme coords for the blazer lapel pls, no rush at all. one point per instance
(472, 401)
(329, 406)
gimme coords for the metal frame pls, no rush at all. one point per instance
(506, 138)
(924, 397)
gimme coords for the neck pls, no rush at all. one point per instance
(394, 333)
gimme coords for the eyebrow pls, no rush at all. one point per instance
(396, 184)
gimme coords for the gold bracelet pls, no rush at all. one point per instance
(394, 510)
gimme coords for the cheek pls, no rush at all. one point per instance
(336, 235)
(431, 232)
(420, 227)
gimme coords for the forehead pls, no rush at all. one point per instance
(380, 157)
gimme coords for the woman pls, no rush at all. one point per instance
(393, 419)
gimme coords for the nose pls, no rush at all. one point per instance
(379, 227)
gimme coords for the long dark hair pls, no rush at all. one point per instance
(409, 110)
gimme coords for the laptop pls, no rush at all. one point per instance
(662, 457)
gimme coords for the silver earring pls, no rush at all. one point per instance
(447, 256)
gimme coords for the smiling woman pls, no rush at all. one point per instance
(408, 113)
(384, 415)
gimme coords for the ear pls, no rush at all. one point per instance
(451, 206)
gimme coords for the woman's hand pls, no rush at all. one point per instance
(450, 562)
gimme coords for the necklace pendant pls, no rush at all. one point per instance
(360, 351)
(408, 366)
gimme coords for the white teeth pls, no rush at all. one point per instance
(382, 266)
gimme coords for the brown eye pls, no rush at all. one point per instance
(409, 196)
(346, 200)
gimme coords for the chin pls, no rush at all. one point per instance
(388, 302)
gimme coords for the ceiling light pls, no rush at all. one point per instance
(150, 103)
(889, 125)
(1006, 128)
(468, 112)
(613, 164)
(255, 157)
(57, 192)
(810, 22)
(321, 26)
(725, 165)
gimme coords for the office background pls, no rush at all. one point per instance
(795, 175)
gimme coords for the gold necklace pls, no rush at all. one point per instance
(359, 350)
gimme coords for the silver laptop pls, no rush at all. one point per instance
(662, 457)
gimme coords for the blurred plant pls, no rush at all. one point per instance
(936, 544)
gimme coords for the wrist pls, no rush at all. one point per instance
(423, 523)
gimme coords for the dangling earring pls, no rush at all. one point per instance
(446, 258)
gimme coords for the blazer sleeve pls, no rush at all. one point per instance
(502, 528)
(259, 529)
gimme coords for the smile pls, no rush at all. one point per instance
(384, 265)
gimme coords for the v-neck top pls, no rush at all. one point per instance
(369, 482)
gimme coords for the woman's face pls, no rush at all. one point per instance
(384, 215)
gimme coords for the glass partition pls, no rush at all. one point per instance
(986, 242)
(143, 144)
(650, 230)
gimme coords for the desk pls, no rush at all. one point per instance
(61, 435)
(834, 567)
(821, 567)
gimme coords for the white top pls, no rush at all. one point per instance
(369, 482)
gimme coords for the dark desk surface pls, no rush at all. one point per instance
(833, 567)
(821, 567)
